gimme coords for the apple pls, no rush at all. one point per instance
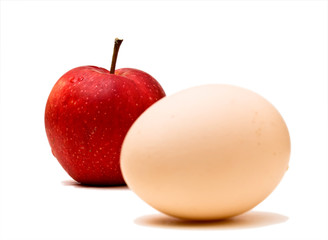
(88, 113)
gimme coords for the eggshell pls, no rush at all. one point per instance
(206, 153)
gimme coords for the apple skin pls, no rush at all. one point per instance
(88, 114)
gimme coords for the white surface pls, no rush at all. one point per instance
(276, 48)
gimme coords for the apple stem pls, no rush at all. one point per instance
(117, 45)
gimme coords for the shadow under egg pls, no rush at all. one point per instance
(252, 219)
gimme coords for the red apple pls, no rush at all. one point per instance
(88, 114)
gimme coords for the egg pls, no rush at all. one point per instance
(206, 153)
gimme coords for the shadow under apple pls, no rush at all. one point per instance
(79, 185)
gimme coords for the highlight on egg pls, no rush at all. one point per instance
(206, 153)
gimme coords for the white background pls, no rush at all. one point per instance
(276, 48)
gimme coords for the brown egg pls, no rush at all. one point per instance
(206, 153)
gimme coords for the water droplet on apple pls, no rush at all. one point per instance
(80, 79)
(72, 79)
